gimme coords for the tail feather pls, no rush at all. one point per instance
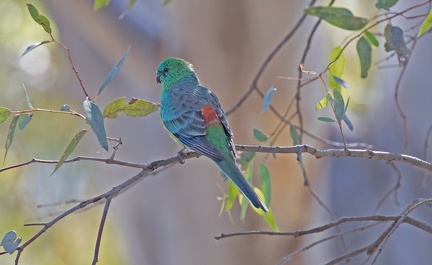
(233, 172)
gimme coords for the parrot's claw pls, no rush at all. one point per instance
(180, 155)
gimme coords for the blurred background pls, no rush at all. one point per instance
(173, 217)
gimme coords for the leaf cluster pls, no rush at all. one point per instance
(92, 115)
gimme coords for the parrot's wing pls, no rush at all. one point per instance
(214, 102)
(182, 117)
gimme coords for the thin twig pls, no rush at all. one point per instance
(375, 218)
(425, 152)
(379, 243)
(300, 74)
(327, 209)
(109, 194)
(398, 105)
(303, 249)
(399, 221)
(88, 158)
(72, 64)
(394, 189)
(70, 112)
(253, 86)
(100, 231)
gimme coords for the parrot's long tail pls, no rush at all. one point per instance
(232, 171)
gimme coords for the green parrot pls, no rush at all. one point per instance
(193, 117)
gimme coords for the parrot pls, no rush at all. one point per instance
(193, 116)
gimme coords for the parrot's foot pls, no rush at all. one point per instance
(181, 154)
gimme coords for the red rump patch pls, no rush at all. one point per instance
(209, 114)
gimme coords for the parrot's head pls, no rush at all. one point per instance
(172, 70)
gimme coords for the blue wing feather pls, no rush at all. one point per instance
(201, 145)
(181, 115)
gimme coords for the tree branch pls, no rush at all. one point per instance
(101, 227)
(299, 233)
(320, 153)
(254, 85)
(148, 168)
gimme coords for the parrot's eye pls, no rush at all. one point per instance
(165, 70)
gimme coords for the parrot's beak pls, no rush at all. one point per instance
(158, 75)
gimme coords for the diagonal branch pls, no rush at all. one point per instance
(254, 85)
(101, 227)
(374, 218)
(147, 169)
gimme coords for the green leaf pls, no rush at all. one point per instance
(4, 114)
(244, 201)
(325, 11)
(268, 98)
(34, 46)
(10, 242)
(69, 149)
(326, 119)
(345, 117)
(371, 38)
(339, 105)
(44, 22)
(96, 121)
(249, 172)
(427, 24)
(11, 134)
(23, 120)
(40, 19)
(270, 220)
(347, 104)
(294, 135)
(364, 51)
(113, 71)
(385, 4)
(261, 137)
(339, 17)
(233, 192)
(337, 68)
(34, 13)
(341, 82)
(348, 22)
(134, 108)
(348, 122)
(264, 177)
(27, 98)
(261, 196)
(166, 2)
(323, 102)
(395, 41)
(98, 4)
